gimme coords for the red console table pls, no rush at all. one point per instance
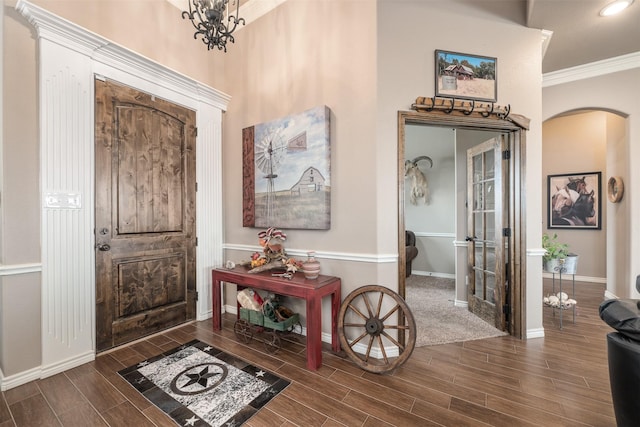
(312, 291)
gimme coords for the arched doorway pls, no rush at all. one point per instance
(587, 140)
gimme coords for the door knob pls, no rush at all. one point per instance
(103, 247)
(470, 239)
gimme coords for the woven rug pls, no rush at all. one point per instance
(438, 320)
(199, 385)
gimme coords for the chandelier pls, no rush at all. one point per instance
(213, 21)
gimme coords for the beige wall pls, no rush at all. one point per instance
(363, 60)
(409, 33)
(574, 144)
(612, 92)
(360, 58)
(316, 53)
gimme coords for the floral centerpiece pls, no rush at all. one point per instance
(273, 254)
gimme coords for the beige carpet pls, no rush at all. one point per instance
(438, 321)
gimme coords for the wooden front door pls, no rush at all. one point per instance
(144, 214)
(488, 231)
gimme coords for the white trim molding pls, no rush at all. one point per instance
(535, 333)
(19, 379)
(338, 256)
(430, 234)
(15, 269)
(433, 274)
(577, 278)
(593, 69)
(536, 252)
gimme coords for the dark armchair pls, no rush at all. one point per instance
(623, 349)
(411, 251)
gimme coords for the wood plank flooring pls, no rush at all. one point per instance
(559, 380)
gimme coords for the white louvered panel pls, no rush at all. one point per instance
(67, 169)
(209, 203)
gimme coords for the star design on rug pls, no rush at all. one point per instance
(140, 380)
(207, 348)
(260, 373)
(191, 421)
(231, 424)
(143, 363)
(201, 377)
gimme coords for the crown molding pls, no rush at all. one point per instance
(593, 69)
(546, 39)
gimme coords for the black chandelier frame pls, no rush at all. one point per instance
(209, 22)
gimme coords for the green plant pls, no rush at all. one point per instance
(554, 248)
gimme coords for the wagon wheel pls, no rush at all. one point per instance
(272, 342)
(243, 331)
(369, 318)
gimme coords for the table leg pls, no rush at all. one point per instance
(216, 305)
(335, 310)
(314, 332)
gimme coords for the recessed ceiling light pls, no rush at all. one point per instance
(615, 7)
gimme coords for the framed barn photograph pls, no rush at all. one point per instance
(286, 168)
(574, 201)
(464, 76)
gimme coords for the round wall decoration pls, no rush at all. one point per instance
(615, 189)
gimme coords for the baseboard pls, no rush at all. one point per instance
(609, 295)
(72, 362)
(204, 316)
(40, 372)
(19, 379)
(535, 333)
(433, 274)
(587, 279)
(461, 303)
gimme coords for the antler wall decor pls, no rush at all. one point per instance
(419, 186)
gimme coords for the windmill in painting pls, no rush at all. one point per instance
(286, 172)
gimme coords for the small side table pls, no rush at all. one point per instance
(560, 271)
(312, 291)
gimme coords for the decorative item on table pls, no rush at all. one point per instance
(273, 254)
(270, 307)
(293, 265)
(559, 300)
(311, 267)
(250, 299)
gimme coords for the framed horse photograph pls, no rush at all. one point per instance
(574, 201)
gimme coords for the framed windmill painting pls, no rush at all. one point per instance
(286, 172)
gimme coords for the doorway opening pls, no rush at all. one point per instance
(443, 236)
(591, 140)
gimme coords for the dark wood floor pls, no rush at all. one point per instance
(559, 380)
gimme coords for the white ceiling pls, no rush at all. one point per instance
(580, 36)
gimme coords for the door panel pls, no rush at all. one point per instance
(145, 214)
(487, 216)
